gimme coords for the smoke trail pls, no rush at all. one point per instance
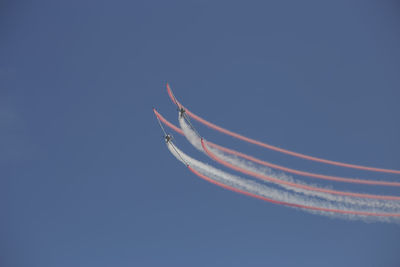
(285, 151)
(278, 167)
(263, 192)
(301, 173)
(282, 180)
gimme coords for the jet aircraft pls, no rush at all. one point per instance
(168, 138)
(182, 111)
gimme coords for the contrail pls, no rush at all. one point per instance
(278, 149)
(250, 188)
(278, 167)
(285, 181)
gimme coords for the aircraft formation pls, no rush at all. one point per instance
(280, 184)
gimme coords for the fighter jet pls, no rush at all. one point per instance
(181, 112)
(168, 138)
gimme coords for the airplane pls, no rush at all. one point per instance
(181, 111)
(168, 138)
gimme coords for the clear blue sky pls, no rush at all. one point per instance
(86, 179)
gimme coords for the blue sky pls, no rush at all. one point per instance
(86, 179)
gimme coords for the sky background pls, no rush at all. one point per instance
(86, 179)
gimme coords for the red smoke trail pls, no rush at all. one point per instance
(268, 199)
(302, 173)
(261, 144)
(306, 187)
(271, 165)
(170, 125)
(362, 213)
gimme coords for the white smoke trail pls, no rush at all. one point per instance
(272, 193)
(193, 137)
